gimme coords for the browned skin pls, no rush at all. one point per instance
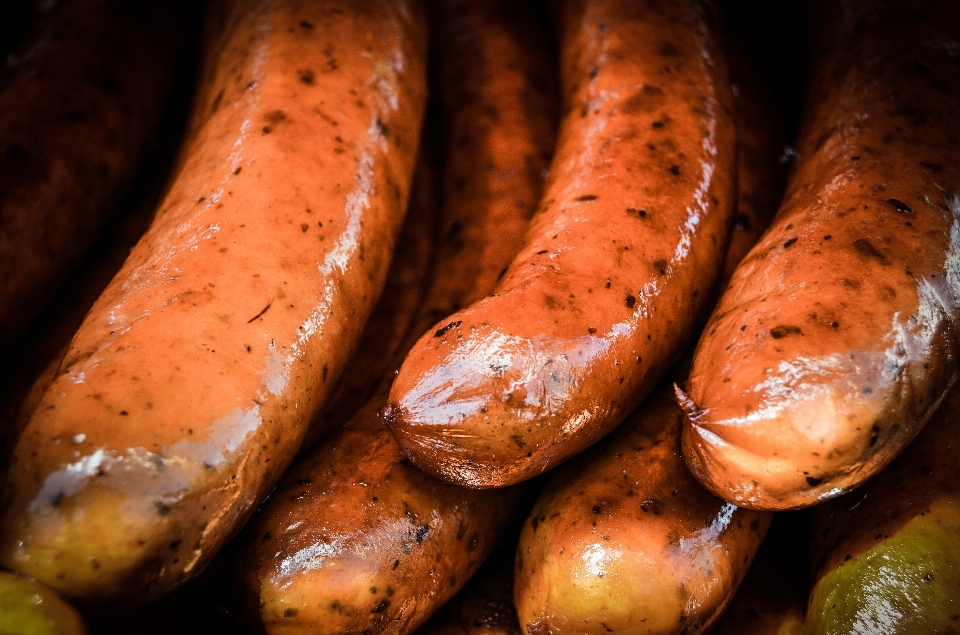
(390, 320)
(189, 386)
(625, 540)
(613, 272)
(837, 336)
(360, 540)
(772, 599)
(78, 100)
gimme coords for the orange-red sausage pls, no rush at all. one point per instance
(79, 98)
(617, 265)
(189, 386)
(838, 335)
(355, 538)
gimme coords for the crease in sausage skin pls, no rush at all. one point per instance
(189, 386)
(838, 335)
(590, 313)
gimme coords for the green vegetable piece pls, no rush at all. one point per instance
(908, 583)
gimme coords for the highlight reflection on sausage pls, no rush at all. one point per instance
(618, 262)
(189, 386)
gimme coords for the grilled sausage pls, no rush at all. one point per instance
(838, 335)
(613, 272)
(624, 539)
(355, 538)
(189, 386)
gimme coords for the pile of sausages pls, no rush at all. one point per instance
(574, 312)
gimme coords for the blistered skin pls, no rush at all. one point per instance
(625, 540)
(78, 100)
(614, 269)
(188, 388)
(837, 336)
(356, 539)
(886, 558)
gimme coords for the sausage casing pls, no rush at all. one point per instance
(838, 335)
(888, 555)
(355, 538)
(624, 539)
(619, 260)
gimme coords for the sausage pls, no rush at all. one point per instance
(26, 606)
(79, 99)
(618, 262)
(189, 386)
(355, 538)
(624, 539)
(499, 124)
(888, 555)
(838, 335)
(390, 319)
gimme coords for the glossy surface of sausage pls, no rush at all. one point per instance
(838, 335)
(887, 556)
(78, 100)
(189, 386)
(619, 260)
(625, 540)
